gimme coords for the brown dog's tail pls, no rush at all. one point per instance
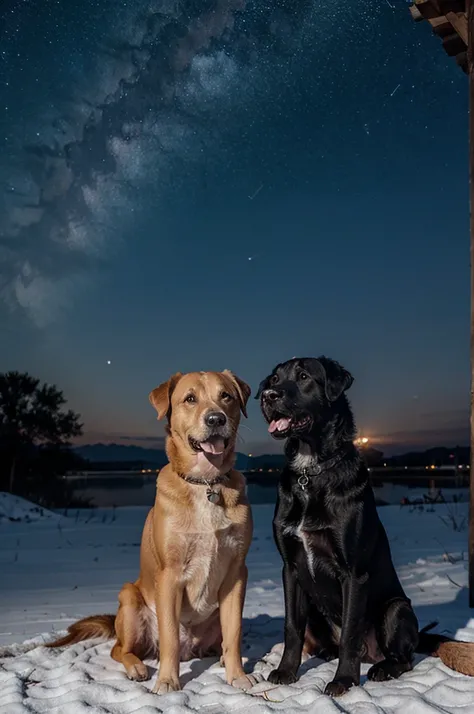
(458, 656)
(87, 629)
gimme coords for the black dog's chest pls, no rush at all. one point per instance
(312, 535)
(317, 544)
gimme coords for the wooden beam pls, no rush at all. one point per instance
(470, 15)
(415, 13)
(451, 5)
(434, 8)
(459, 21)
(441, 26)
(453, 45)
(427, 9)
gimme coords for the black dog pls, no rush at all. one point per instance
(342, 595)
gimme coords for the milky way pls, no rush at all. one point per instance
(102, 98)
(162, 73)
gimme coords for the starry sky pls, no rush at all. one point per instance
(210, 184)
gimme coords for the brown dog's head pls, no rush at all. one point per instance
(203, 410)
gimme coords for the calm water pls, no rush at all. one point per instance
(137, 489)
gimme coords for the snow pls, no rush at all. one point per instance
(15, 508)
(57, 568)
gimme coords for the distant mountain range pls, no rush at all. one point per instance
(156, 458)
(112, 456)
(121, 452)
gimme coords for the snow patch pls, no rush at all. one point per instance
(15, 509)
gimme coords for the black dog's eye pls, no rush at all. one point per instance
(274, 379)
(303, 375)
(226, 397)
(191, 399)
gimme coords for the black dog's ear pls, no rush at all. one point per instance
(263, 385)
(338, 379)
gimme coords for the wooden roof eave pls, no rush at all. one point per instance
(448, 20)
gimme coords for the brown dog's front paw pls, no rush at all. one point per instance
(339, 686)
(165, 686)
(138, 672)
(246, 681)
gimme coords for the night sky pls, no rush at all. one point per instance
(210, 184)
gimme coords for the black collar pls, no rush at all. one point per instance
(320, 466)
(202, 482)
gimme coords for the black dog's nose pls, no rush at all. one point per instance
(215, 419)
(271, 395)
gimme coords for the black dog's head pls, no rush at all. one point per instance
(301, 394)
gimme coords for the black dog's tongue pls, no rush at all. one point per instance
(278, 425)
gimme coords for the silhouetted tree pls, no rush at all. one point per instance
(32, 420)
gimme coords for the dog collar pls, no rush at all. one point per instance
(212, 495)
(319, 468)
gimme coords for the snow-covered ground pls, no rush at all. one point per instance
(54, 570)
(15, 509)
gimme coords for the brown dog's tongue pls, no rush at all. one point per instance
(278, 425)
(214, 445)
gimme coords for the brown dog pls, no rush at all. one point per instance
(188, 599)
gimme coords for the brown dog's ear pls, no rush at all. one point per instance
(160, 397)
(243, 390)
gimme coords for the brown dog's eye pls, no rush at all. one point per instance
(226, 397)
(303, 375)
(190, 399)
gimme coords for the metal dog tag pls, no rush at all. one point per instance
(213, 496)
(303, 480)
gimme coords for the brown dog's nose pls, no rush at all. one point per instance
(271, 395)
(215, 419)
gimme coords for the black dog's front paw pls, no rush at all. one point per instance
(388, 669)
(282, 676)
(339, 686)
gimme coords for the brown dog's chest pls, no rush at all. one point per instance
(209, 544)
